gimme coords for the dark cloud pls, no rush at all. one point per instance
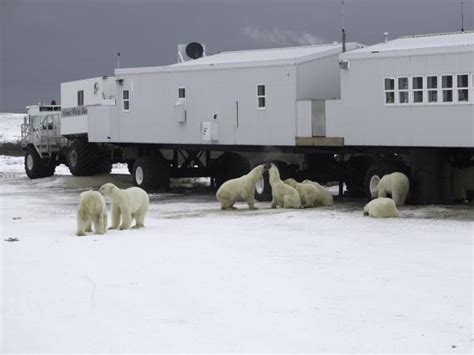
(45, 42)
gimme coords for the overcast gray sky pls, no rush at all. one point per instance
(46, 42)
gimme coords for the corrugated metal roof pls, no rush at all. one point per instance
(289, 54)
(420, 43)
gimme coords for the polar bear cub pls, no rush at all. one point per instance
(381, 207)
(325, 197)
(242, 188)
(283, 195)
(396, 184)
(309, 194)
(91, 212)
(463, 180)
(127, 204)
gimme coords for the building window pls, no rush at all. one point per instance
(447, 86)
(417, 89)
(403, 90)
(181, 93)
(261, 96)
(463, 88)
(80, 98)
(389, 91)
(432, 85)
(126, 100)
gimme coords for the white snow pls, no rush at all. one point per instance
(10, 127)
(198, 279)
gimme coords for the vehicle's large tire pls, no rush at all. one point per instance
(104, 166)
(230, 166)
(35, 166)
(356, 171)
(83, 158)
(151, 173)
(263, 189)
(130, 164)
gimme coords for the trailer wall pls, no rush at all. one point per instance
(363, 118)
(225, 99)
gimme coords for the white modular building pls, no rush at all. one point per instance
(254, 97)
(415, 91)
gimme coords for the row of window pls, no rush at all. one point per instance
(261, 97)
(429, 89)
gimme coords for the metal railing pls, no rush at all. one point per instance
(44, 135)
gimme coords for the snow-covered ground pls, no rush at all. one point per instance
(10, 127)
(198, 279)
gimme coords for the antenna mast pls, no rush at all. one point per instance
(118, 59)
(462, 15)
(343, 29)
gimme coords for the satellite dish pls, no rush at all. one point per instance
(194, 50)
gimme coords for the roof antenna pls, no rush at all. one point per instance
(343, 30)
(118, 59)
(462, 15)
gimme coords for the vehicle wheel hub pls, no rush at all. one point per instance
(73, 158)
(260, 185)
(139, 175)
(29, 162)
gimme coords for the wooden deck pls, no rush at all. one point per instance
(319, 141)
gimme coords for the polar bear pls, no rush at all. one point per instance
(283, 195)
(463, 180)
(240, 188)
(396, 184)
(309, 194)
(381, 207)
(325, 197)
(91, 211)
(127, 204)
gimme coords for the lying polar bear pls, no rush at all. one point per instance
(283, 195)
(381, 207)
(396, 184)
(240, 188)
(325, 197)
(91, 212)
(309, 194)
(128, 204)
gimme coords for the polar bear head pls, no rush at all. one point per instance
(107, 189)
(274, 174)
(291, 182)
(373, 185)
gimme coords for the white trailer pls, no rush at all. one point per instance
(347, 115)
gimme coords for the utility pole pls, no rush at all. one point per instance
(343, 29)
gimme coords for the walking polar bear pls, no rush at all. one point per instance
(240, 188)
(325, 197)
(127, 204)
(396, 184)
(91, 212)
(283, 195)
(381, 207)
